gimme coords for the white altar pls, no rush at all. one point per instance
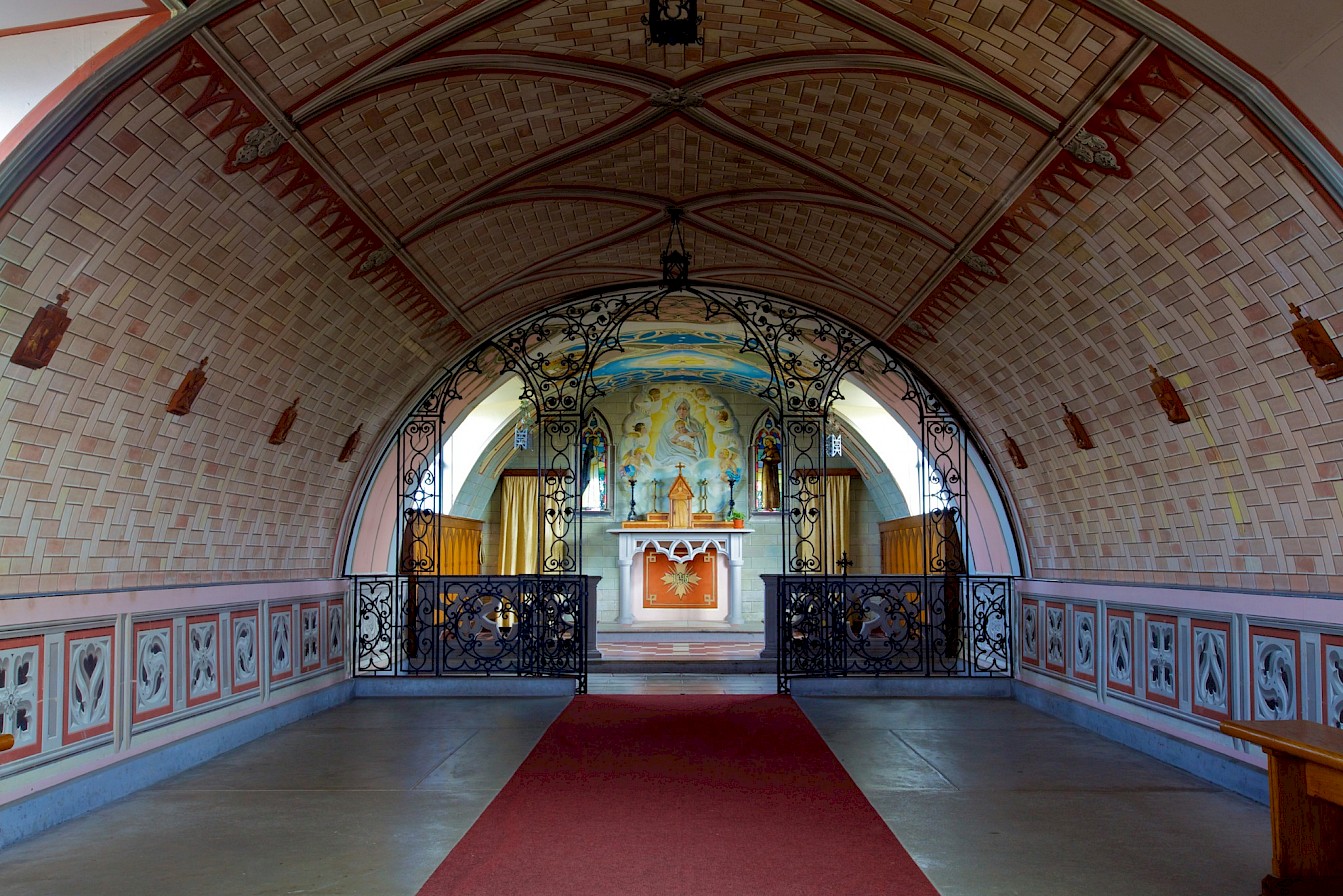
(678, 545)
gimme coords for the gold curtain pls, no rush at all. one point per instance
(458, 545)
(832, 524)
(837, 514)
(518, 525)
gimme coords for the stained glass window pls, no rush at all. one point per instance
(594, 464)
(768, 444)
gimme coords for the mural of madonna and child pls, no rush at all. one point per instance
(670, 424)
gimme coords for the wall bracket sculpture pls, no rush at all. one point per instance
(43, 336)
(1014, 451)
(1315, 344)
(1168, 398)
(192, 383)
(351, 444)
(284, 424)
(1077, 430)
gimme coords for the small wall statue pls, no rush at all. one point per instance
(1316, 345)
(1168, 398)
(351, 444)
(285, 423)
(39, 342)
(1077, 430)
(192, 383)
(1014, 451)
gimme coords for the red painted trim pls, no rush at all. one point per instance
(1044, 644)
(236, 686)
(1281, 634)
(1134, 658)
(1174, 623)
(39, 672)
(77, 21)
(66, 87)
(286, 610)
(1225, 629)
(89, 634)
(219, 672)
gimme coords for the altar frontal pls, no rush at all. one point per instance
(670, 583)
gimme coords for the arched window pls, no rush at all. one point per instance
(594, 464)
(768, 444)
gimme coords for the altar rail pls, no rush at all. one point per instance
(947, 626)
(474, 626)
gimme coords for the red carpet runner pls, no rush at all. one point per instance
(701, 795)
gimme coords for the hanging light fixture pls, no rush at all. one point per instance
(522, 433)
(673, 22)
(834, 437)
(675, 258)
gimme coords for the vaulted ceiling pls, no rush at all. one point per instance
(1033, 199)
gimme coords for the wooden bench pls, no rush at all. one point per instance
(1305, 780)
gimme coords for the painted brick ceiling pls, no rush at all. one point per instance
(1030, 198)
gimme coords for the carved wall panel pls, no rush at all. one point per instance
(1119, 657)
(281, 643)
(1161, 661)
(1210, 668)
(1331, 650)
(246, 651)
(1275, 675)
(335, 632)
(310, 622)
(21, 696)
(1056, 656)
(1084, 643)
(153, 670)
(90, 679)
(1030, 632)
(202, 659)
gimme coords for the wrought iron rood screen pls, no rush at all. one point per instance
(951, 626)
(471, 625)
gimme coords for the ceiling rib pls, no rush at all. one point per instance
(1126, 66)
(304, 148)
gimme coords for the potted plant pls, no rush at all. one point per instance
(738, 519)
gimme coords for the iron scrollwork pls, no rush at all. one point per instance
(945, 622)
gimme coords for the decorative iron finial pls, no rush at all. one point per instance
(675, 258)
(673, 22)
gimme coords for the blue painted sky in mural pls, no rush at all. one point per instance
(705, 356)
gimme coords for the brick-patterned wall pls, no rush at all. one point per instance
(169, 261)
(1190, 266)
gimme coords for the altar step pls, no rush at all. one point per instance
(660, 653)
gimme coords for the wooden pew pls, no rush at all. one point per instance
(1305, 780)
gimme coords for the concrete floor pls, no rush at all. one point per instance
(989, 796)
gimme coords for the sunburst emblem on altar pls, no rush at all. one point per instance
(680, 579)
